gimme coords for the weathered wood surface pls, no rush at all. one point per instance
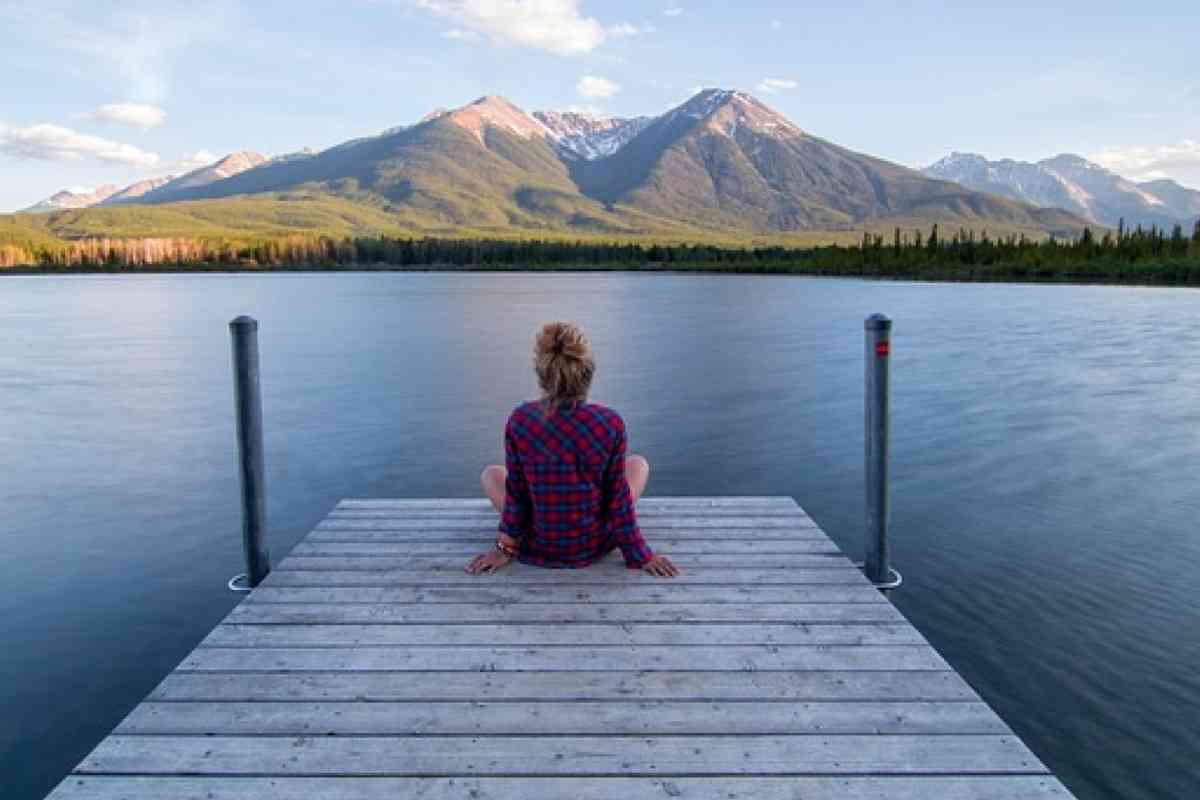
(574, 594)
(606, 573)
(692, 526)
(625, 658)
(369, 666)
(573, 612)
(469, 547)
(582, 685)
(569, 718)
(597, 756)
(581, 634)
(929, 787)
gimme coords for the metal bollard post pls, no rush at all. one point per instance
(878, 355)
(248, 400)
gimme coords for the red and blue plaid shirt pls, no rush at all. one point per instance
(566, 497)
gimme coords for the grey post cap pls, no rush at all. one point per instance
(878, 322)
(244, 322)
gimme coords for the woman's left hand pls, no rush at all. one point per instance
(488, 562)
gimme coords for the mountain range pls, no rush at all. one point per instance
(77, 197)
(720, 163)
(1077, 185)
(151, 190)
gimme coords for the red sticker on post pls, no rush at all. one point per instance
(883, 348)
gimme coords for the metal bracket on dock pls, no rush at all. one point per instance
(893, 582)
(895, 579)
(234, 586)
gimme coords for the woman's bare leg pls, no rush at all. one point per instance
(637, 472)
(493, 478)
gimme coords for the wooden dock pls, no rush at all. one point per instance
(369, 665)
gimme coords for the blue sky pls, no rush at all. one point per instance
(108, 92)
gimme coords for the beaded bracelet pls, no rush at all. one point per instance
(508, 550)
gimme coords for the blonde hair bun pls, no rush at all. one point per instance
(562, 359)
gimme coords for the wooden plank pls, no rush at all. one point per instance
(487, 535)
(465, 549)
(576, 634)
(773, 501)
(644, 657)
(595, 686)
(570, 596)
(892, 787)
(443, 563)
(560, 755)
(672, 522)
(525, 575)
(525, 613)
(490, 515)
(485, 718)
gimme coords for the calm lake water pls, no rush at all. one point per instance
(1046, 461)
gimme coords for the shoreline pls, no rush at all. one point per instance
(999, 274)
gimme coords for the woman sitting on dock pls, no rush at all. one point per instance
(567, 491)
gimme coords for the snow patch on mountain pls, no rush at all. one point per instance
(581, 136)
(575, 135)
(704, 103)
(303, 154)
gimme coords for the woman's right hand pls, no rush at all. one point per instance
(661, 567)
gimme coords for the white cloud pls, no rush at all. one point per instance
(1180, 161)
(597, 88)
(773, 85)
(673, 11)
(138, 114)
(47, 142)
(776, 24)
(461, 35)
(627, 29)
(556, 26)
(196, 160)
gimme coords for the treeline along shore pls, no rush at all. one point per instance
(1139, 256)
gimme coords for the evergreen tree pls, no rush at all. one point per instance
(1178, 243)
